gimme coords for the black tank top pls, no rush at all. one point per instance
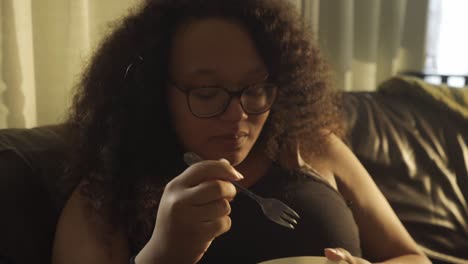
(326, 221)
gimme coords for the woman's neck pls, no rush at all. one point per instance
(254, 167)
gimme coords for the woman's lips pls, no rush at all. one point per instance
(231, 141)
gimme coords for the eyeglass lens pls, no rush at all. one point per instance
(211, 101)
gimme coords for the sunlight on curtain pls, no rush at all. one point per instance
(412, 52)
(45, 45)
(367, 41)
(18, 73)
(3, 109)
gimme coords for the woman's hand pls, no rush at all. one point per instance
(193, 211)
(343, 256)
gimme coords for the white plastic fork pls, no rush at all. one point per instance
(273, 209)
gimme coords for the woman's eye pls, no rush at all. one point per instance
(205, 93)
(255, 92)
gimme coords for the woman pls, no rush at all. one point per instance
(238, 83)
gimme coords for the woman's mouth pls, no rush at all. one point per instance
(231, 141)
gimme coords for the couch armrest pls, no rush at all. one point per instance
(31, 164)
(27, 224)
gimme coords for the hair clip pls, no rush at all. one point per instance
(131, 65)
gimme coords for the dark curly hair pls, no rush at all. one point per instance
(124, 147)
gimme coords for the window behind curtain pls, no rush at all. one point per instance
(447, 43)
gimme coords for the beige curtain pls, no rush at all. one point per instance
(45, 43)
(367, 41)
(43, 47)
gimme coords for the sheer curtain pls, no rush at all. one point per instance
(44, 45)
(367, 41)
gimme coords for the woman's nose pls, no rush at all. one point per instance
(234, 111)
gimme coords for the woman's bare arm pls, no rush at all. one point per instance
(383, 236)
(82, 236)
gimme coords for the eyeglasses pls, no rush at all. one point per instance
(211, 101)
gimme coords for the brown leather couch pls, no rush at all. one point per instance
(417, 154)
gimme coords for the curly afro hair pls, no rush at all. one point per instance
(124, 146)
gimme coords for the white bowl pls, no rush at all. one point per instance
(300, 260)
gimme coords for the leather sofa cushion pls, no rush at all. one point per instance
(31, 161)
(418, 157)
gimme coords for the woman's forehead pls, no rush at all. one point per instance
(211, 46)
(250, 71)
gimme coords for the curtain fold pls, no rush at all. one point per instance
(3, 109)
(392, 20)
(18, 73)
(53, 56)
(367, 41)
(45, 44)
(336, 38)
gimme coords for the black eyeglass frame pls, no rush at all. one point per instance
(231, 94)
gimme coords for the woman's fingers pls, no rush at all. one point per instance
(210, 191)
(194, 208)
(339, 255)
(204, 205)
(210, 212)
(217, 227)
(208, 170)
(209, 230)
(342, 256)
(208, 221)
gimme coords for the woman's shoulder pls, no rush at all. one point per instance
(83, 231)
(321, 163)
(331, 161)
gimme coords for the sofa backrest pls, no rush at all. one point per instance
(31, 161)
(418, 156)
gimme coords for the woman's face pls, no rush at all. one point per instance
(215, 52)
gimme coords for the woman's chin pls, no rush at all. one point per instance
(235, 160)
(234, 157)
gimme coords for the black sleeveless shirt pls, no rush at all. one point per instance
(326, 221)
